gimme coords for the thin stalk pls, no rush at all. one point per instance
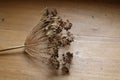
(16, 47)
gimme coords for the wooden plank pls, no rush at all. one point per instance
(96, 47)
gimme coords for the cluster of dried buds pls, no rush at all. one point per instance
(67, 58)
(58, 35)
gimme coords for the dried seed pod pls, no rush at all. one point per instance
(65, 68)
(70, 37)
(54, 62)
(64, 41)
(56, 52)
(68, 25)
(69, 57)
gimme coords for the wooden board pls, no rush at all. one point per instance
(96, 47)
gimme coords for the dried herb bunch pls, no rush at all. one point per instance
(55, 33)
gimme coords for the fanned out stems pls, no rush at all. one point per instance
(47, 37)
(33, 53)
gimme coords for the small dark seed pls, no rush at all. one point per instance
(65, 70)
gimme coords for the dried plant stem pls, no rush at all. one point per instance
(22, 46)
(17, 47)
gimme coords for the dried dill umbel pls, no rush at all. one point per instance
(58, 40)
(54, 33)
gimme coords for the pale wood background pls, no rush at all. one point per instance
(96, 49)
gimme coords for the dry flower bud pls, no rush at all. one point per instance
(68, 25)
(65, 68)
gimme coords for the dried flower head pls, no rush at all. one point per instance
(51, 30)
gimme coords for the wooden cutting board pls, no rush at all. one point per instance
(96, 47)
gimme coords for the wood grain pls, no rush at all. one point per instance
(96, 47)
